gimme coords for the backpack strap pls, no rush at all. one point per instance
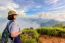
(8, 26)
(6, 30)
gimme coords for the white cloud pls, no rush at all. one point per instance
(6, 5)
(2, 8)
(12, 6)
(52, 1)
(21, 13)
(57, 15)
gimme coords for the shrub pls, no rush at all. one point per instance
(0, 37)
(29, 36)
(51, 31)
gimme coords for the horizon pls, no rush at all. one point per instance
(52, 10)
(31, 22)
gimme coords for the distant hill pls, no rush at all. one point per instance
(31, 22)
(49, 23)
(44, 22)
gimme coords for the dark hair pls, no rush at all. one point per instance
(11, 17)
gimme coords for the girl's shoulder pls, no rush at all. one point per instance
(16, 23)
(13, 23)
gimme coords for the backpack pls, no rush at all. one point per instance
(5, 34)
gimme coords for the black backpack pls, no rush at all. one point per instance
(5, 34)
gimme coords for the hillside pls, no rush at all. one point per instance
(47, 39)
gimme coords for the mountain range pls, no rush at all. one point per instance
(31, 22)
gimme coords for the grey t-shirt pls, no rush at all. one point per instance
(13, 27)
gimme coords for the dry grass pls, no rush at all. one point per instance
(47, 39)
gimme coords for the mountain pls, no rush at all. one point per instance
(43, 22)
(30, 22)
(49, 23)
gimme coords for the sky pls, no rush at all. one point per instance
(51, 9)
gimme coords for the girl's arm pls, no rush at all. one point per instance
(15, 30)
(15, 34)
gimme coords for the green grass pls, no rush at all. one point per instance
(32, 35)
(51, 31)
(29, 36)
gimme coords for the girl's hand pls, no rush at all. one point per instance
(15, 34)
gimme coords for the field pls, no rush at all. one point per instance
(43, 35)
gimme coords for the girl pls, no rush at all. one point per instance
(13, 27)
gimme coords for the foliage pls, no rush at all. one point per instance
(51, 31)
(32, 35)
(60, 25)
(0, 37)
(29, 36)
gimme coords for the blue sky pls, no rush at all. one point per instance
(53, 9)
(35, 6)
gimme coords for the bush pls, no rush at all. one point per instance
(0, 37)
(51, 31)
(29, 36)
(27, 39)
